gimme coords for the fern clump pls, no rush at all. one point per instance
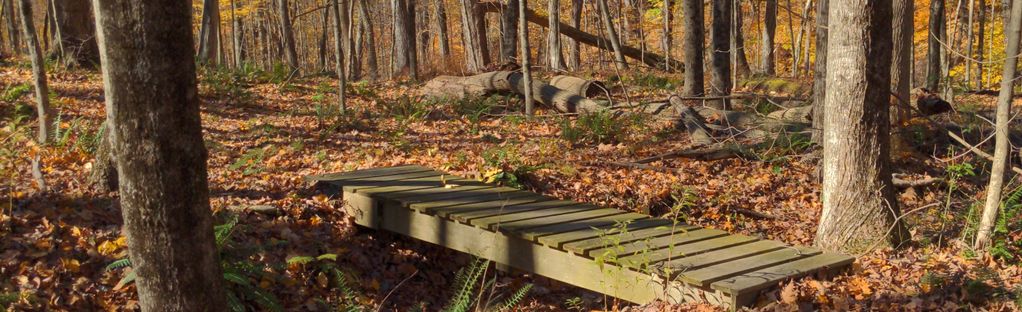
(470, 292)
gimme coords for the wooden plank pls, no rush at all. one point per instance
(766, 277)
(660, 247)
(516, 226)
(707, 275)
(444, 193)
(537, 232)
(465, 215)
(356, 185)
(558, 240)
(481, 197)
(723, 255)
(445, 212)
(632, 234)
(491, 222)
(372, 172)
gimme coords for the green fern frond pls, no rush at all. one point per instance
(465, 282)
(127, 279)
(300, 260)
(327, 256)
(266, 300)
(516, 298)
(233, 303)
(237, 279)
(223, 232)
(120, 263)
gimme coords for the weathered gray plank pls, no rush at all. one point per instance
(707, 275)
(632, 234)
(516, 226)
(407, 198)
(465, 215)
(767, 277)
(372, 172)
(557, 240)
(409, 183)
(492, 221)
(658, 248)
(722, 255)
(537, 232)
(481, 197)
(445, 212)
(359, 184)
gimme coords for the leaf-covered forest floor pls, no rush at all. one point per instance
(265, 134)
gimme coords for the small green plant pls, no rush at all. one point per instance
(506, 166)
(574, 304)
(469, 291)
(237, 273)
(226, 82)
(651, 80)
(13, 93)
(325, 268)
(594, 128)
(252, 162)
(410, 108)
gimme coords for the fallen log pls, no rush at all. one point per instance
(564, 101)
(651, 59)
(583, 87)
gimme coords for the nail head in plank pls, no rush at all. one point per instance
(763, 278)
(707, 275)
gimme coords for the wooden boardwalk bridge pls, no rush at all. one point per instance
(626, 255)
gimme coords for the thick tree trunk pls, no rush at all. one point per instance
(860, 209)
(720, 56)
(935, 36)
(820, 70)
(323, 38)
(440, 11)
(42, 90)
(354, 67)
(767, 65)
(1002, 146)
(523, 37)
(556, 59)
(574, 50)
(692, 40)
(901, 60)
(473, 36)
(156, 135)
(237, 34)
(738, 36)
(615, 43)
(77, 32)
(509, 33)
(404, 39)
(366, 20)
(104, 167)
(12, 29)
(209, 42)
(981, 40)
(340, 19)
(287, 35)
(667, 40)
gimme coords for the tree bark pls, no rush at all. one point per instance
(325, 25)
(767, 65)
(237, 34)
(523, 37)
(860, 209)
(935, 36)
(615, 43)
(901, 60)
(12, 29)
(556, 57)
(156, 135)
(720, 56)
(981, 40)
(340, 19)
(692, 39)
(474, 36)
(820, 70)
(354, 67)
(441, 22)
(370, 56)
(667, 40)
(104, 167)
(404, 39)
(42, 90)
(1002, 146)
(741, 61)
(287, 35)
(77, 32)
(208, 40)
(574, 50)
(509, 33)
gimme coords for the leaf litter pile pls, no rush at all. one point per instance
(300, 248)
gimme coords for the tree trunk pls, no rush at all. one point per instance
(859, 204)
(366, 20)
(287, 35)
(556, 60)
(104, 168)
(667, 40)
(42, 91)
(574, 50)
(12, 29)
(237, 34)
(901, 60)
(323, 37)
(473, 36)
(340, 19)
(523, 37)
(156, 135)
(404, 39)
(720, 57)
(208, 39)
(353, 65)
(935, 36)
(741, 62)
(981, 34)
(615, 43)
(692, 39)
(77, 33)
(1002, 146)
(509, 33)
(820, 70)
(769, 34)
(441, 25)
